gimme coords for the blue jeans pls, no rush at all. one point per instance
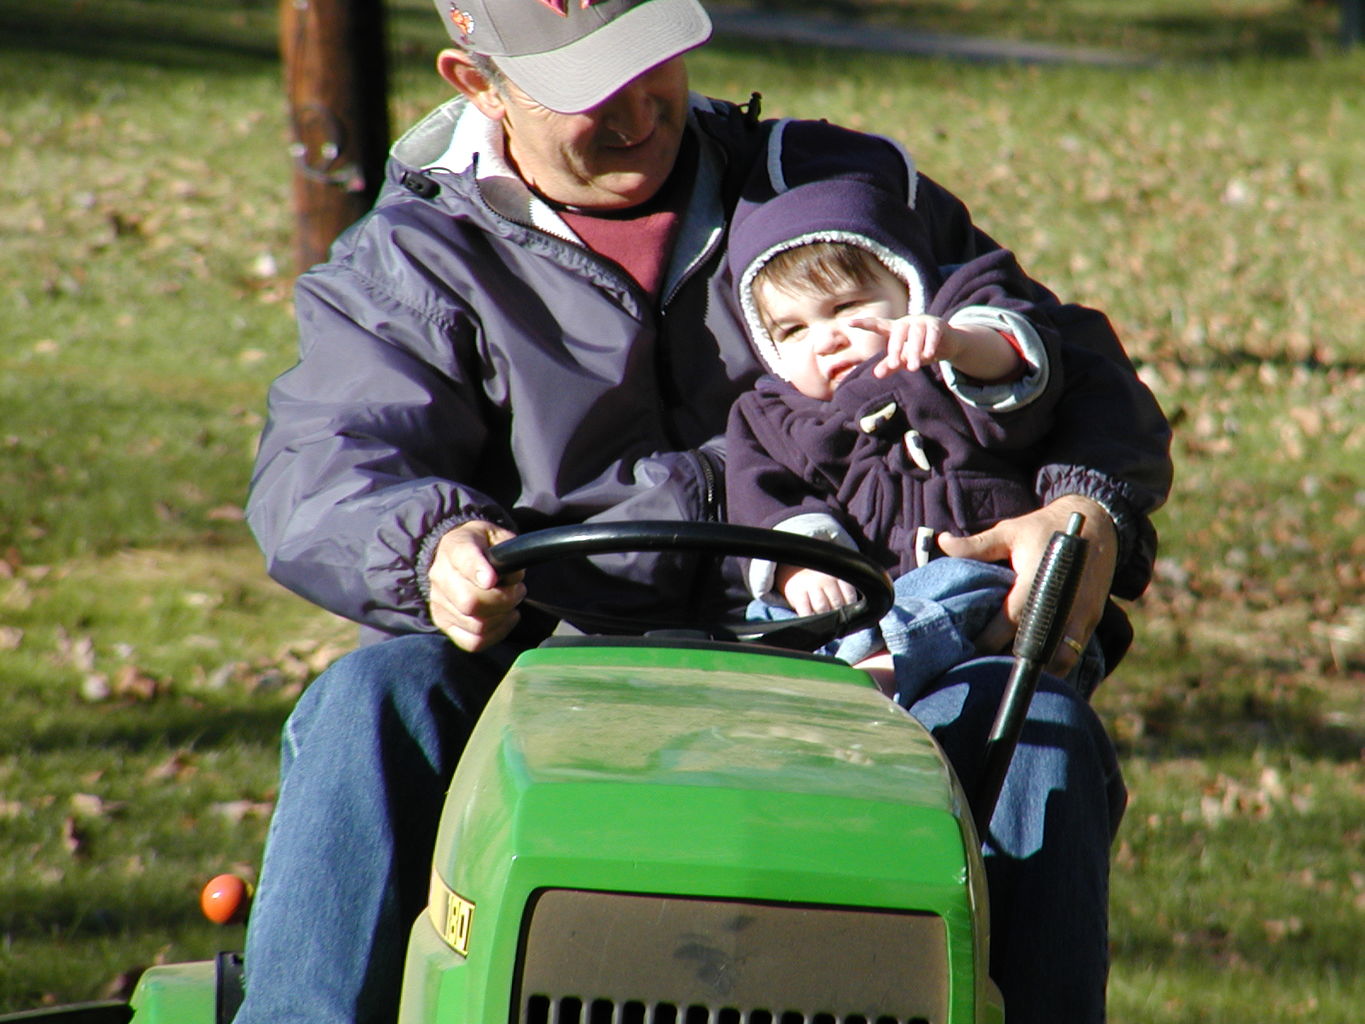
(940, 610)
(371, 746)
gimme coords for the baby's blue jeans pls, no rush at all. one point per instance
(940, 610)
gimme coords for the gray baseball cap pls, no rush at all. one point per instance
(570, 55)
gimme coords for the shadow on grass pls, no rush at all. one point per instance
(169, 724)
(127, 909)
(1301, 964)
(1227, 37)
(1197, 724)
(177, 34)
(241, 36)
(1292, 31)
(1198, 704)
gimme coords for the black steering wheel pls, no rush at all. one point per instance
(802, 633)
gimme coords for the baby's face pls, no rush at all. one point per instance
(816, 346)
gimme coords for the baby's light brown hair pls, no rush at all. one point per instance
(817, 267)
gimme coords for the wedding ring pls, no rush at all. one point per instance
(1074, 644)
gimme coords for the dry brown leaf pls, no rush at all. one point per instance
(91, 805)
(78, 651)
(130, 682)
(1278, 931)
(87, 805)
(237, 811)
(73, 837)
(177, 767)
(121, 985)
(95, 688)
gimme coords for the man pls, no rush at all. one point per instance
(534, 327)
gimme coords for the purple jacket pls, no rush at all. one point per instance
(463, 357)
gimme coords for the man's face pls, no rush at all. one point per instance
(612, 156)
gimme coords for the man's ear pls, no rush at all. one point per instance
(457, 69)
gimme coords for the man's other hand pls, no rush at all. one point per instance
(1022, 541)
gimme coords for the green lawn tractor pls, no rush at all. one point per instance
(693, 826)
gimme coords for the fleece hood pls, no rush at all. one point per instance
(845, 210)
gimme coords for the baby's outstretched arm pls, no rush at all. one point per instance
(916, 340)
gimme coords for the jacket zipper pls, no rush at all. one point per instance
(711, 510)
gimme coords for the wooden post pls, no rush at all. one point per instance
(336, 83)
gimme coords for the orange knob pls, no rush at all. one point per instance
(226, 899)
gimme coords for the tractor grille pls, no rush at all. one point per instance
(571, 1010)
(616, 958)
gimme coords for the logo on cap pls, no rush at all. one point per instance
(463, 21)
(561, 7)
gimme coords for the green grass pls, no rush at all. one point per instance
(1210, 201)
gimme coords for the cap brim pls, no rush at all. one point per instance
(582, 74)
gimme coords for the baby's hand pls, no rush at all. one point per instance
(810, 592)
(912, 342)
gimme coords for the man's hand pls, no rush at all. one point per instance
(468, 603)
(810, 592)
(1023, 540)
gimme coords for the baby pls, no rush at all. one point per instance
(903, 400)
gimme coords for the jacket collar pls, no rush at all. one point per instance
(457, 138)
